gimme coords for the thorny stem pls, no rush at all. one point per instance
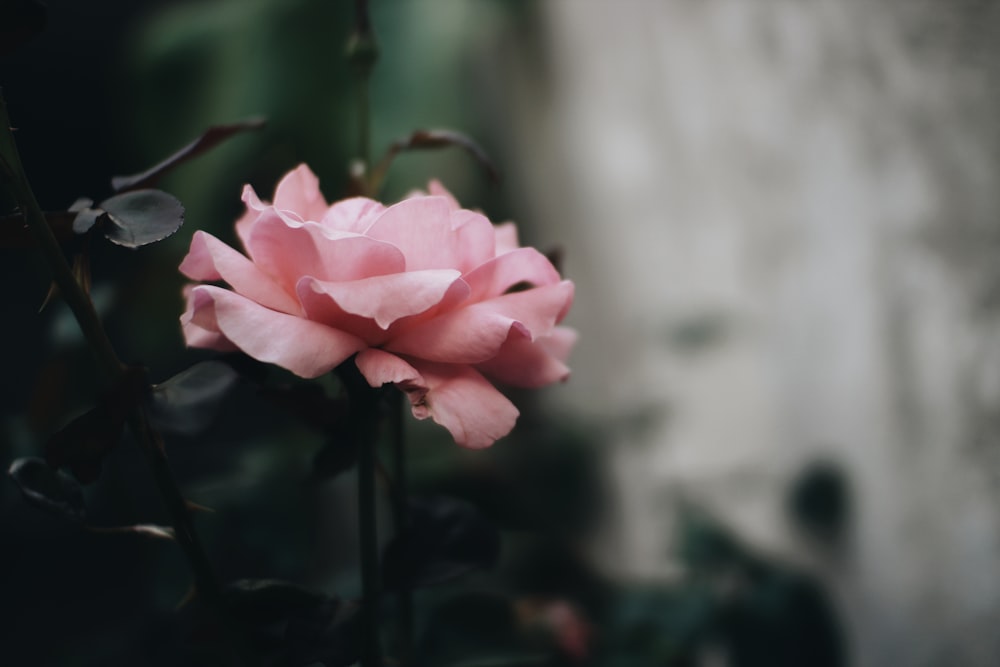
(113, 370)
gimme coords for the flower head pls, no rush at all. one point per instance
(421, 291)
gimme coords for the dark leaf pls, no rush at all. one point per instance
(139, 217)
(86, 218)
(264, 601)
(82, 444)
(80, 204)
(45, 487)
(308, 402)
(212, 136)
(470, 626)
(293, 625)
(446, 538)
(188, 402)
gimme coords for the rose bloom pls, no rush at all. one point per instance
(431, 297)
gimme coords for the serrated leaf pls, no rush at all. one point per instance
(188, 402)
(209, 139)
(446, 538)
(47, 488)
(140, 217)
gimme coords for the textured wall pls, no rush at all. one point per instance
(784, 223)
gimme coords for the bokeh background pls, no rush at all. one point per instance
(781, 439)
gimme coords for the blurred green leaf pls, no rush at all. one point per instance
(140, 217)
(47, 488)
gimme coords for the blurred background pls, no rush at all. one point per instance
(781, 441)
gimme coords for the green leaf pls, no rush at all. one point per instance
(140, 217)
(209, 139)
(188, 402)
(47, 488)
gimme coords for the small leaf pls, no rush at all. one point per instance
(210, 138)
(188, 402)
(446, 538)
(140, 217)
(86, 218)
(45, 487)
(80, 204)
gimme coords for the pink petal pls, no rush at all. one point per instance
(388, 298)
(560, 342)
(434, 188)
(524, 265)
(246, 221)
(523, 363)
(432, 236)
(506, 237)
(456, 397)
(288, 250)
(353, 215)
(298, 191)
(306, 348)
(199, 325)
(211, 259)
(465, 403)
(475, 333)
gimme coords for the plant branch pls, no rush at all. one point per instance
(112, 368)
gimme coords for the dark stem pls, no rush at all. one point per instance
(401, 519)
(365, 404)
(362, 53)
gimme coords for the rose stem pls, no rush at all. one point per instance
(362, 53)
(401, 519)
(365, 417)
(112, 368)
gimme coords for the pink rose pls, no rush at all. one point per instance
(421, 291)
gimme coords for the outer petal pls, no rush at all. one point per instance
(524, 363)
(433, 236)
(211, 259)
(475, 333)
(386, 299)
(506, 237)
(246, 221)
(456, 397)
(306, 348)
(560, 342)
(298, 191)
(524, 265)
(288, 250)
(199, 325)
